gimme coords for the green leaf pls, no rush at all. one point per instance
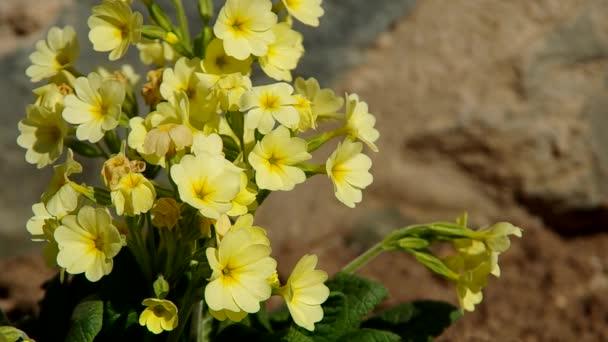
(416, 321)
(86, 321)
(370, 335)
(11, 334)
(362, 295)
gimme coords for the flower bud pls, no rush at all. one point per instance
(165, 213)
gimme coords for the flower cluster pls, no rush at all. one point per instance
(182, 178)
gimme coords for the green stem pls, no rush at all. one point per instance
(317, 141)
(364, 258)
(102, 150)
(183, 22)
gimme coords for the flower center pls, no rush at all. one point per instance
(269, 102)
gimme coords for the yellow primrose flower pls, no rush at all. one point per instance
(118, 166)
(226, 90)
(167, 139)
(304, 108)
(139, 128)
(324, 102)
(181, 78)
(245, 27)
(473, 264)
(60, 198)
(306, 11)
(274, 159)
(160, 315)
(283, 54)
(257, 235)
(114, 26)
(88, 242)
(95, 108)
(210, 145)
(42, 227)
(209, 184)
(42, 134)
(265, 104)
(133, 195)
(166, 212)
(243, 199)
(240, 269)
(58, 52)
(348, 169)
(360, 123)
(217, 62)
(156, 52)
(222, 315)
(305, 291)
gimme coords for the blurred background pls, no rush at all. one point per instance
(498, 108)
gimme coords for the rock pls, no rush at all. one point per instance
(497, 108)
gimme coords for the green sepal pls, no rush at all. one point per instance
(113, 141)
(231, 148)
(159, 17)
(153, 32)
(83, 148)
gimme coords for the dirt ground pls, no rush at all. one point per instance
(553, 287)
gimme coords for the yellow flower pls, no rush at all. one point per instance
(210, 145)
(348, 169)
(133, 195)
(496, 238)
(181, 78)
(283, 54)
(58, 52)
(473, 264)
(88, 242)
(165, 213)
(305, 291)
(324, 102)
(304, 108)
(42, 227)
(306, 11)
(217, 62)
(257, 235)
(226, 90)
(42, 134)
(240, 269)
(95, 108)
(231, 315)
(243, 199)
(167, 139)
(114, 26)
(245, 27)
(274, 159)
(156, 52)
(118, 166)
(267, 104)
(160, 315)
(360, 123)
(209, 184)
(60, 198)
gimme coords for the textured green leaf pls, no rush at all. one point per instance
(241, 332)
(370, 335)
(86, 321)
(416, 321)
(362, 294)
